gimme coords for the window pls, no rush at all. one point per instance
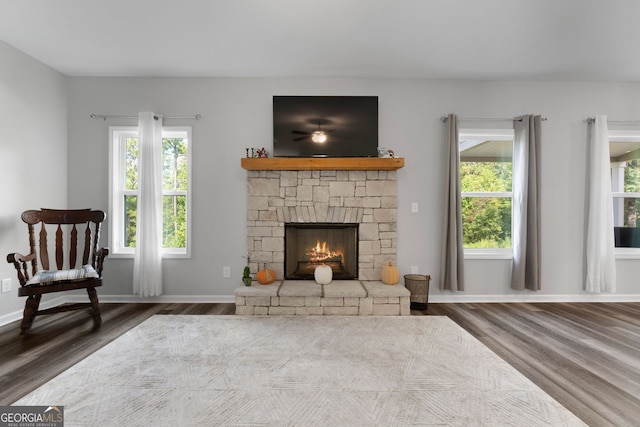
(624, 149)
(176, 186)
(486, 186)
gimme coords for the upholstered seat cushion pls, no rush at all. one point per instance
(49, 277)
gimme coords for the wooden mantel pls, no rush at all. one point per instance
(322, 163)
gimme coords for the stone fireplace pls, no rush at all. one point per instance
(276, 199)
(339, 211)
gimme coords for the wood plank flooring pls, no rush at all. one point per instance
(585, 355)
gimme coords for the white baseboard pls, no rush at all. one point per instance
(530, 297)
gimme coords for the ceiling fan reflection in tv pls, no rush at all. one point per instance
(319, 135)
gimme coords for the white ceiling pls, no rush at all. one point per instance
(595, 40)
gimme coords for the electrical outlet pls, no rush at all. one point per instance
(414, 269)
(226, 272)
(415, 208)
(6, 285)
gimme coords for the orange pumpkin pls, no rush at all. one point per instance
(390, 274)
(266, 276)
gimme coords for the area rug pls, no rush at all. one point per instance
(297, 371)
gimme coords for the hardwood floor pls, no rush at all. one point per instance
(585, 355)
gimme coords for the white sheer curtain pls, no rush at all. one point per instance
(601, 262)
(451, 249)
(525, 272)
(147, 266)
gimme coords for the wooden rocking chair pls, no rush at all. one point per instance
(64, 276)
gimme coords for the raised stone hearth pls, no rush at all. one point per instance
(339, 298)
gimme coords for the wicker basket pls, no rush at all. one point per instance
(418, 284)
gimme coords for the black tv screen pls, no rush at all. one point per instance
(325, 126)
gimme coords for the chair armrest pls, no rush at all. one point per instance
(20, 261)
(103, 252)
(17, 257)
(100, 256)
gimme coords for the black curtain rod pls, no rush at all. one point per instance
(110, 116)
(488, 119)
(615, 122)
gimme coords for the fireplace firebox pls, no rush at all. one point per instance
(310, 245)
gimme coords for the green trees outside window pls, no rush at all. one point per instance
(631, 185)
(486, 172)
(174, 186)
(486, 219)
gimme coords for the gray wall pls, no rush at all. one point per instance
(237, 114)
(33, 153)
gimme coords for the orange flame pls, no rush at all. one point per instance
(321, 252)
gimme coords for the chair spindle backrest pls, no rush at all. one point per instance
(68, 218)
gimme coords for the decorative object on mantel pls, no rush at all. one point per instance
(246, 276)
(259, 153)
(385, 153)
(323, 274)
(266, 276)
(322, 163)
(390, 274)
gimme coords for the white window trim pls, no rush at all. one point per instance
(624, 136)
(627, 253)
(621, 195)
(115, 223)
(505, 194)
(494, 253)
(494, 135)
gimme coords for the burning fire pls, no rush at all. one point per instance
(321, 252)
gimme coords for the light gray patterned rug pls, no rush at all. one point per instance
(297, 371)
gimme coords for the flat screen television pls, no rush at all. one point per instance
(325, 126)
